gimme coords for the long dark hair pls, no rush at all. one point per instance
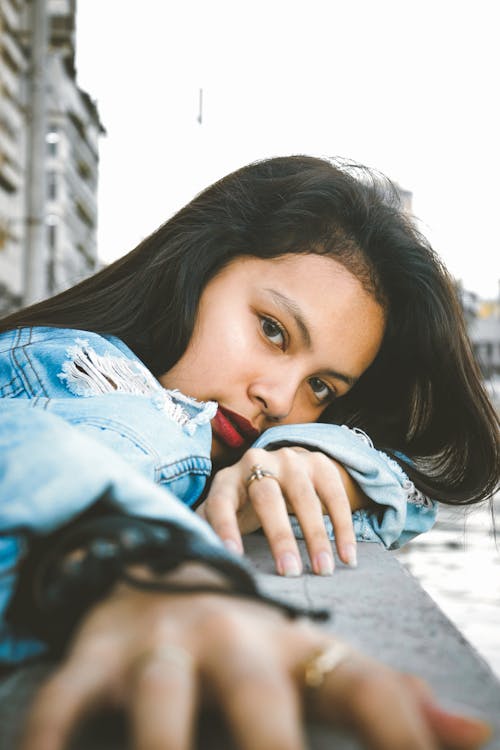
(422, 395)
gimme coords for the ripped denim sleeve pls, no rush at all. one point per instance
(87, 373)
(50, 473)
(402, 511)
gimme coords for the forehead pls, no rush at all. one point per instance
(304, 275)
(344, 322)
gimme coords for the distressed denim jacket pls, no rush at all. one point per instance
(80, 415)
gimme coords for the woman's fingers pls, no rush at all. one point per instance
(387, 716)
(306, 505)
(61, 702)
(231, 492)
(221, 507)
(164, 699)
(453, 730)
(368, 697)
(258, 698)
(387, 709)
(457, 732)
(268, 502)
(330, 487)
(244, 656)
(310, 480)
(291, 479)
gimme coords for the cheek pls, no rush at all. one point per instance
(304, 410)
(222, 354)
(234, 345)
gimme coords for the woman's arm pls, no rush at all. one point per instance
(397, 512)
(324, 473)
(50, 473)
(161, 656)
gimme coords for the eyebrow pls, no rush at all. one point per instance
(291, 307)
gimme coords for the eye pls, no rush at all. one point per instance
(321, 390)
(274, 332)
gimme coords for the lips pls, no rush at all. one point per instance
(233, 429)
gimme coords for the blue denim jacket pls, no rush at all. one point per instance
(81, 414)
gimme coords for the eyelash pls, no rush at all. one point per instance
(265, 319)
(331, 394)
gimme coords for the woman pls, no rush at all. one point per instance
(420, 396)
(298, 297)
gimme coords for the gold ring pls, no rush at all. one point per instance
(258, 472)
(324, 661)
(168, 654)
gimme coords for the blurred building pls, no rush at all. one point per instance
(13, 67)
(469, 301)
(73, 129)
(484, 332)
(67, 151)
(406, 197)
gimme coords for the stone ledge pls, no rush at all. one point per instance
(378, 607)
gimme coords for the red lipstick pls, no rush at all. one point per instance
(233, 429)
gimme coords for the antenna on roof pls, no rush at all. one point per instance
(200, 107)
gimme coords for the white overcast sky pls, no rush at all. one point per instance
(410, 88)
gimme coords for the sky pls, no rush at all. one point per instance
(408, 88)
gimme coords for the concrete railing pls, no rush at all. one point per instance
(377, 607)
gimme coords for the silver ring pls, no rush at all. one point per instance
(323, 662)
(258, 472)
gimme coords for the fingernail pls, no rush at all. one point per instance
(479, 732)
(290, 565)
(231, 546)
(471, 730)
(324, 564)
(350, 555)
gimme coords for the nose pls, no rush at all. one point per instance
(275, 396)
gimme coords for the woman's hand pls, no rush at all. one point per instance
(305, 483)
(161, 657)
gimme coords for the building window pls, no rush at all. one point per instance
(51, 261)
(52, 186)
(9, 61)
(84, 215)
(79, 125)
(52, 236)
(52, 140)
(87, 256)
(84, 170)
(7, 172)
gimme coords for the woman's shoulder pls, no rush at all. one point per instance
(50, 361)
(53, 336)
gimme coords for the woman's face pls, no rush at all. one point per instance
(275, 342)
